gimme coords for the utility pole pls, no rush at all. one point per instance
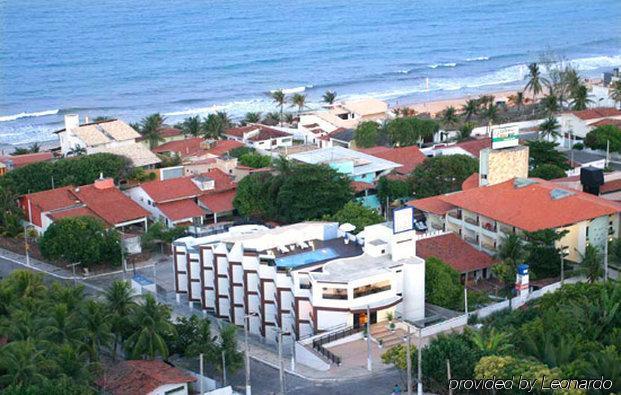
(223, 368)
(246, 353)
(606, 260)
(562, 266)
(201, 363)
(155, 278)
(281, 368)
(419, 386)
(409, 360)
(26, 246)
(369, 361)
(466, 293)
(448, 375)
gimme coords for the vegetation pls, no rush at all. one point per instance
(254, 160)
(580, 98)
(542, 254)
(81, 239)
(366, 134)
(442, 174)
(547, 172)
(536, 81)
(252, 117)
(298, 100)
(544, 153)
(603, 136)
(215, 124)
(299, 192)
(442, 285)
(81, 170)
(192, 126)
(34, 148)
(10, 213)
(158, 233)
(329, 97)
(150, 127)
(411, 130)
(549, 129)
(393, 189)
(615, 91)
(357, 215)
(280, 99)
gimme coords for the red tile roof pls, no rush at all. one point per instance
(181, 209)
(471, 182)
(222, 180)
(219, 202)
(607, 121)
(221, 147)
(408, 157)
(184, 148)
(594, 113)
(169, 190)
(611, 186)
(531, 207)
(110, 204)
(360, 186)
(239, 132)
(475, 146)
(142, 377)
(53, 199)
(26, 159)
(165, 133)
(80, 211)
(433, 204)
(454, 251)
(265, 132)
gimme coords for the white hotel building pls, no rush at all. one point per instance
(303, 278)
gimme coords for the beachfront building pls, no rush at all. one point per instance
(199, 155)
(407, 157)
(302, 278)
(363, 169)
(111, 136)
(576, 124)
(470, 148)
(260, 137)
(101, 200)
(344, 115)
(11, 162)
(189, 200)
(167, 134)
(340, 137)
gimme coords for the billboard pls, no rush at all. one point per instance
(403, 219)
(505, 136)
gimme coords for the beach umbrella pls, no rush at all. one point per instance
(347, 227)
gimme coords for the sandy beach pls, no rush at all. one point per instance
(437, 106)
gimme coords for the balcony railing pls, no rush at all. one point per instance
(472, 221)
(489, 226)
(471, 239)
(329, 338)
(488, 246)
(455, 214)
(305, 286)
(335, 296)
(437, 226)
(506, 229)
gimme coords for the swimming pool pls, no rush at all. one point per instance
(306, 258)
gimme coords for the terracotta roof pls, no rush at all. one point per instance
(475, 146)
(183, 148)
(181, 209)
(26, 159)
(594, 113)
(222, 180)
(471, 182)
(360, 186)
(219, 202)
(608, 121)
(142, 377)
(239, 132)
(172, 189)
(454, 251)
(433, 204)
(536, 205)
(223, 146)
(408, 157)
(611, 186)
(110, 204)
(265, 132)
(53, 199)
(80, 211)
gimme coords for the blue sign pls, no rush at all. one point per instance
(522, 269)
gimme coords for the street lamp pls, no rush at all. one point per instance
(368, 323)
(409, 358)
(281, 372)
(563, 250)
(247, 354)
(73, 265)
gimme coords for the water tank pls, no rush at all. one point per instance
(591, 179)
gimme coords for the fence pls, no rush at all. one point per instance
(329, 338)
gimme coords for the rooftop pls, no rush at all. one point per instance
(180, 209)
(353, 268)
(138, 154)
(452, 250)
(408, 157)
(363, 163)
(98, 133)
(26, 159)
(264, 132)
(433, 204)
(365, 107)
(595, 113)
(141, 377)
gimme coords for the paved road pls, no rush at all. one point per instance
(264, 378)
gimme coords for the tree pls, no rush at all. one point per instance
(366, 134)
(254, 160)
(407, 131)
(442, 174)
(465, 131)
(544, 152)
(357, 215)
(252, 117)
(491, 342)
(160, 233)
(517, 100)
(213, 126)
(543, 256)
(393, 189)
(580, 98)
(81, 239)
(271, 118)
(280, 99)
(150, 325)
(449, 117)
(150, 127)
(99, 335)
(601, 138)
(193, 337)
(470, 109)
(549, 128)
(250, 198)
(120, 303)
(490, 114)
(591, 263)
(615, 91)
(550, 104)
(191, 126)
(535, 80)
(329, 97)
(10, 213)
(298, 100)
(547, 172)
(442, 285)
(21, 363)
(227, 345)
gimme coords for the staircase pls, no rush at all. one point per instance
(388, 338)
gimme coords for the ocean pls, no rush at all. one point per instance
(128, 59)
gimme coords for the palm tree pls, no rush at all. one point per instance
(550, 104)
(298, 100)
(72, 362)
(225, 119)
(615, 91)
(280, 99)
(151, 323)
(535, 81)
(227, 345)
(490, 114)
(34, 148)
(150, 127)
(64, 326)
(213, 126)
(591, 264)
(272, 118)
(21, 362)
(491, 343)
(449, 116)
(466, 130)
(329, 97)
(191, 126)
(517, 100)
(511, 248)
(470, 108)
(289, 118)
(549, 128)
(102, 118)
(76, 151)
(120, 303)
(580, 98)
(95, 320)
(252, 117)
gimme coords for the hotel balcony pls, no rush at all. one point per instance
(506, 229)
(471, 221)
(455, 214)
(471, 239)
(489, 246)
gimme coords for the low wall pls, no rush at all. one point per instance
(308, 358)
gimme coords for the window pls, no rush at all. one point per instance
(371, 289)
(334, 293)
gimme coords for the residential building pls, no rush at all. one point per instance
(188, 200)
(498, 165)
(575, 125)
(145, 377)
(111, 136)
(340, 137)
(303, 278)
(167, 134)
(408, 157)
(101, 200)
(470, 147)
(10, 162)
(360, 167)
(199, 155)
(260, 137)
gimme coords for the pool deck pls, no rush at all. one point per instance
(338, 245)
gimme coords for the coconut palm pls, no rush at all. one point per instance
(151, 324)
(150, 127)
(580, 98)
(511, 248)
(288, 118)
(591, 263)
(615, 91)
(549, 128)
(213, 126)
(449, 116)
(298, 100)
(492, 342)
(535, 80)
(550, 104)
(470, 109)
(280, 99)
(465, 131)
(252, 117)
(191, 126)
(71, 362)
(21, 362)
(271, 118)
(490, 114)
(64, 326)
(227, 123)
(76, 151)
(95, 320)
(517, 100)
(120, 303)
(329, 97)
